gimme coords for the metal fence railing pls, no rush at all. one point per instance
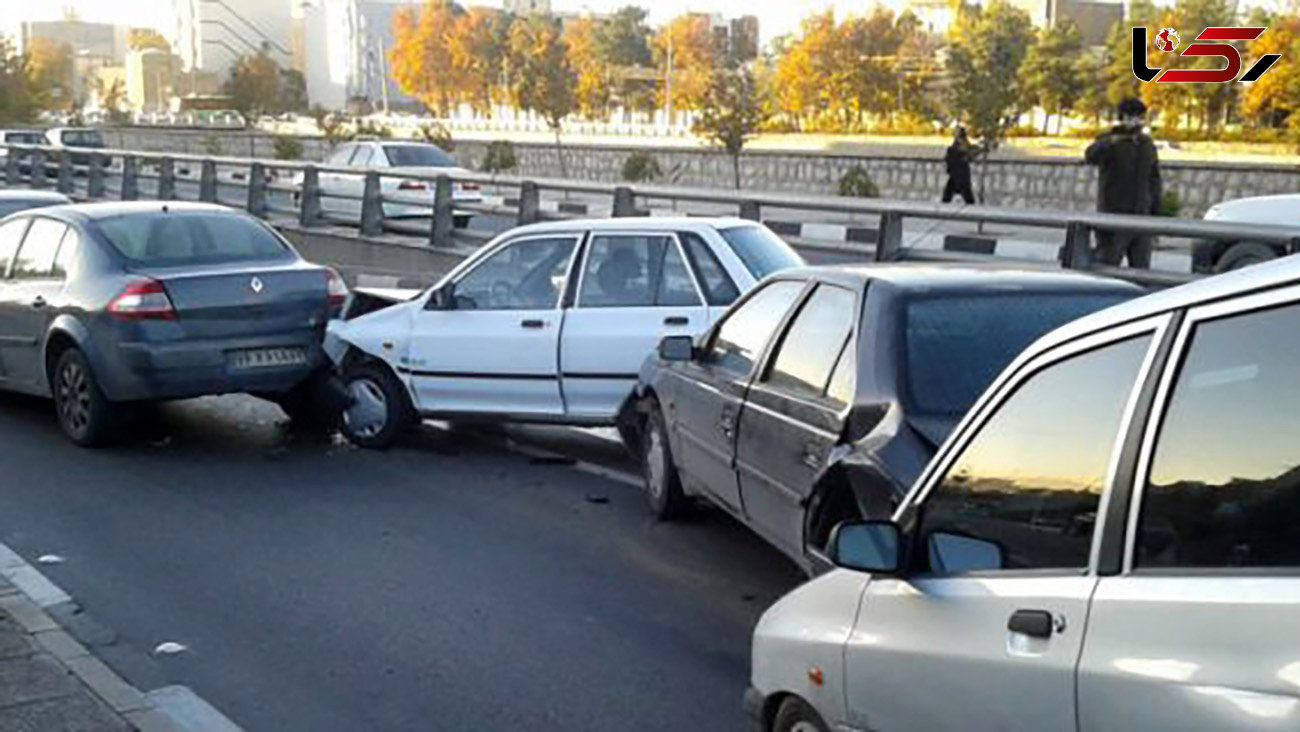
(379, 201)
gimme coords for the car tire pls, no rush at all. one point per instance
(1244, 254)
(663, 486)
(461, 221)
(313, 406)
(797, 715)
(378, 409)
(86, 416)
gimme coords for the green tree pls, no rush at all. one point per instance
(731, 114)
(1052, 79)
(254, 86)
(20, 96)
(52, 68)
(623, 43)
(111, 97)
(1094, 101)
(542, 80)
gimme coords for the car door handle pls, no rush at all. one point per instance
(1033, 623)
(532, 323)
(38, 302)
(727, 423)
(677, 320)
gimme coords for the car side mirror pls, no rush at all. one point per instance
(952, 553)
(443, 298)
(867, 546)
(677, 348)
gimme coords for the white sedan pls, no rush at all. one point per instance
(1221, 256)
(547, 323)
(392, 157)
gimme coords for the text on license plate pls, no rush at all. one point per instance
(256, 358)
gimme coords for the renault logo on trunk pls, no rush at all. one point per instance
(256, 285)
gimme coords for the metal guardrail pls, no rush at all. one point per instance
(40, 166)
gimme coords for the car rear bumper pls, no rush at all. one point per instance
(145, 371)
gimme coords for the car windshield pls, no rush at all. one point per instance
(169, 239)
(956, 345)
(418, 156)
(24, 138)
(762, 251)
(83, 138)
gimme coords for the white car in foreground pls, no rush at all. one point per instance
(341, 192)
(1221, 256)
(1108, 541)
(547, 323)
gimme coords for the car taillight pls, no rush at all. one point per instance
(338, 290)
(142, 299)
(411, 185)
(469, 186)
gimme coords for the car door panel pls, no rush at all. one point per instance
(11, 236)
(33, 293)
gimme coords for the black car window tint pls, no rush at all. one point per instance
(1224, 486)
(747, 328)
(719, 289)
(35, 258)
(1024, 492)
(175, 239)
(11, 234)
(808, 351)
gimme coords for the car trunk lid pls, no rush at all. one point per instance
(244, 298)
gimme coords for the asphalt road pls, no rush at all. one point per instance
(454, 582)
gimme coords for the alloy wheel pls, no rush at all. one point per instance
(367, 412)
(73, 397)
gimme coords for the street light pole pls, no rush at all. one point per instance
(668, 82)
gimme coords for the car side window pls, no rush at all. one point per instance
(39, 249)
(522, 275)
(746, 330)
(1024, 492)
(719, 289)
(634, 271)
(840, 390)
(361, 156)
(812, 344)
(11, 234)
(676, 287)
(1224, 485)
(67, 253)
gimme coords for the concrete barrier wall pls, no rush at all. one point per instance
(1049, 184)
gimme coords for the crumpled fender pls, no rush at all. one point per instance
(384, 334)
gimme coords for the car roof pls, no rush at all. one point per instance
(646, 223)
(931, 277)
(34, 196)
(106, 209)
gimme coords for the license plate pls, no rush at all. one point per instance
(260, 358)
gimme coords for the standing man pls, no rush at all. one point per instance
(957, 159)
(1128, 181)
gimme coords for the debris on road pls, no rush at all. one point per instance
(169, 648)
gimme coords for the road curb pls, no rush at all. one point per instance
(26, 594)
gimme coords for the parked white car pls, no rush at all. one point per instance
(547, 323)
(1221, 256)
(387, 157)
(1110, 540)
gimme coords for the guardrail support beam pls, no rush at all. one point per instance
(13, 176)
(1076, 252)
(37, 178)
(130, 178)
(889, 243)
(372, 208)
(751, 211)
(624, 202)
(166, 179)
(257, 189)
(529, 203)
(208, 181)
(95, 176)
(309, 197)
(444, 216)
(65, 172)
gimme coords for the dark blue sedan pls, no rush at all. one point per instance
(105, 305)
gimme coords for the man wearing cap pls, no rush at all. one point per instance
(1128, 181)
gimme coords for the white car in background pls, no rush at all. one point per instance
(1221, 256)
(546, 323)
(389, 157)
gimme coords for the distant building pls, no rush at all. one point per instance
(1095, 18)
(96, 40)
(212, 34)
(150, 79)
(735, 38)
(527, 7)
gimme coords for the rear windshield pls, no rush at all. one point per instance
(956, 346)
(25, 138)
(83, 138)
(418, 156)
(167, 239)
(762, 251)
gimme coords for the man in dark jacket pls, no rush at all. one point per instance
(1128, 181)
(958, 160)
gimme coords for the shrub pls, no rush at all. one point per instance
(1170, 204)
(436, 133)
(212, 146)
(499, 158)
(287, 147)
(366, 128)
(857, 183)
(641, 167)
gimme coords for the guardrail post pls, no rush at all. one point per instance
(1076, 252)
(256, 189)
(130, 177)
(65, 172)
(208, 181)
(37, 178)
(166, 179)
(624, 202)
(750, 210)
(309, 197)
(444, 217)
(372, 207)
(13, 175)
(95, 176)
(529, 203)
(889, 243)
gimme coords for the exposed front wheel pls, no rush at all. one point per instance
(796, 715)
(378, 408)
(1244, 254)
(663, 486)
(85, 414)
